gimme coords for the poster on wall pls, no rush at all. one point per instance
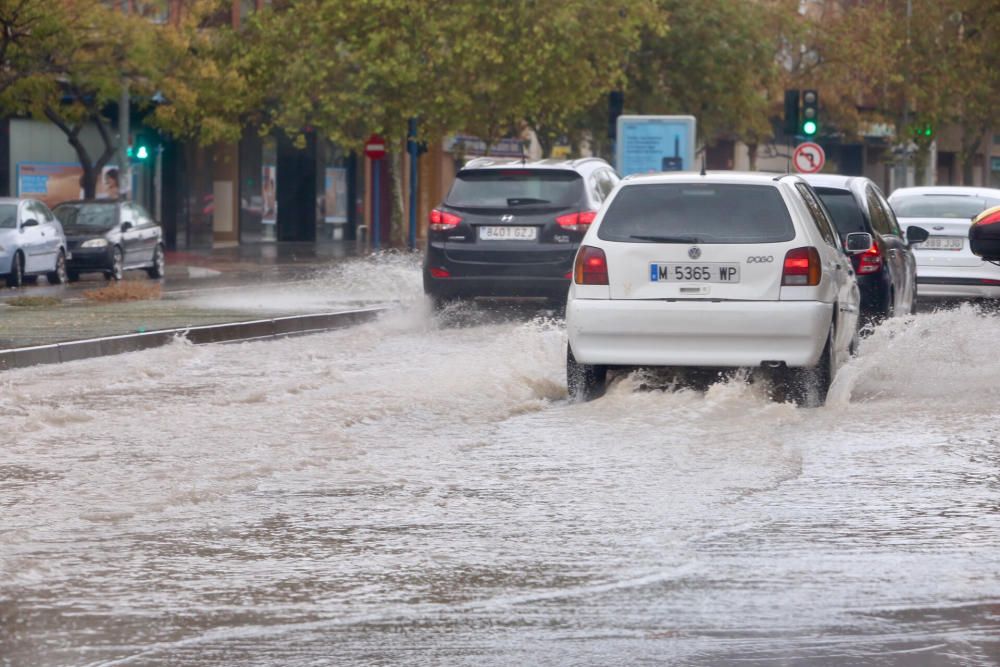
(335, 199)
(269, 194)
(56, 182)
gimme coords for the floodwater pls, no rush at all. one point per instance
(418, 490)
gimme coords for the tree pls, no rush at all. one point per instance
(719, 62)
(350, 68)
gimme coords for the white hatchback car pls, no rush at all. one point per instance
(946, 266)
(722, 270)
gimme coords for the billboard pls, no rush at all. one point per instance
(650, 144)
(335, 195)
(56, 182)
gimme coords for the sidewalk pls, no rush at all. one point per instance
(224, 285)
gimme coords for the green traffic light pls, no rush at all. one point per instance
(809, 128)
(142, 154)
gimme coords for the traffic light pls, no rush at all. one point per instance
(791, 112)
(141, 148)
(810, 113)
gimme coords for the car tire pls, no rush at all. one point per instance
(159, 264)
(73, 276)
(808, 387)
(584, 382)
(16, 276)
(60, 276)
(913, 302)
(117, 271)
(440, 302)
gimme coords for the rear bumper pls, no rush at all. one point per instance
(971, 282)
(496, 286)
(697, 333)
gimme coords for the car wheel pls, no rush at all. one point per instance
(117, 271)
(16, 276)
(159, 264)
(808, 387)
(913, 302)
(59, 276)
(584, 381)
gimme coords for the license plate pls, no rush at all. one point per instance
(942, 243)
(694, 273)
(508, 233)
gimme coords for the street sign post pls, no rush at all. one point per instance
(375, 151)
(808, 158)
(648, 144)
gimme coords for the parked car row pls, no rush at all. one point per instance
(104, 236)
(711, 270)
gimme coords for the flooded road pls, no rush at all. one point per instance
(419, 491)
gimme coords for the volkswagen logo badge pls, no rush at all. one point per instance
(506, 218)
(694, 252)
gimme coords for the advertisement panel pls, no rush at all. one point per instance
(649, 144)
(335, 195)
(56, 182)
(269, 194)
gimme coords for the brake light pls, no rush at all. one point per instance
(870, 261)
(591, 266)
(576, 222)
(802, 267)
(441, 221)
(440, 273)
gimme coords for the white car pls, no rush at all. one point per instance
(946, 266)
(722, 270)
(32, 243)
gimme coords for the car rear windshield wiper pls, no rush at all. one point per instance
(524, 201)
(665, 239)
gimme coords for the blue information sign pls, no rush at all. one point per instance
(649, 144)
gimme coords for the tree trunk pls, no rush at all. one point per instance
(91, 170)
(397, 235)
(752, 155)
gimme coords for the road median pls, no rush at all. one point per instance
(227, 332)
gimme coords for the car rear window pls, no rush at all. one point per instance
(941, 206)
(503, 188)
(697, 213)
(847, 215)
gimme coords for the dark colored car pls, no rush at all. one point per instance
(510, 227)
(111, 237)
(887, 272)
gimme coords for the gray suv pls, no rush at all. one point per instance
(511, 227)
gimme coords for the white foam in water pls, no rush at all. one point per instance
(380, 278)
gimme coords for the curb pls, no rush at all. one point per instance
(74, 350)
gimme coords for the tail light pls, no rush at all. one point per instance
(870, 261)
(441, 221)
(440, 273)
(591, 266)
(576, 222)
(802, 267)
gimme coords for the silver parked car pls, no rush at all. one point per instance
(32, 242)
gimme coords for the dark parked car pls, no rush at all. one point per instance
(511, 227)
(887, 273)
(111, 237)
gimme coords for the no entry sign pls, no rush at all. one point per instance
(808, 158)
(375, 147)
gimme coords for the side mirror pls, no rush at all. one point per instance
(30, 222)
(126, 226)
(916, 234)
(858, 242)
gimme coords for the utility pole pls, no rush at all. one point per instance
(124, 171)
(903, 179)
